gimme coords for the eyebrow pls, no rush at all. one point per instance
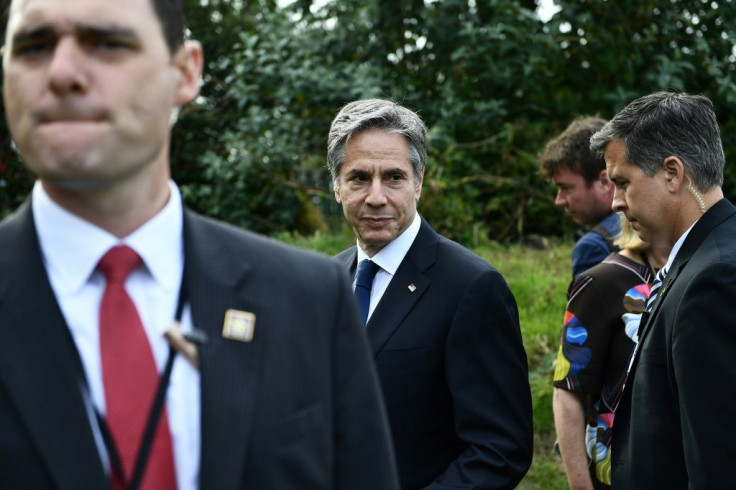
(388, 171)
(32, 34)
(81, 30)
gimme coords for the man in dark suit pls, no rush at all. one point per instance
(442, 323)
(270, 385)
(664, 155)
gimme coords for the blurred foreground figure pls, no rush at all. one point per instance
(263, 381)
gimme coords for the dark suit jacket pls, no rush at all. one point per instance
(453, 369)
(674, 424)
(298, 407)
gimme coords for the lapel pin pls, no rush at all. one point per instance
(665, 287)
(239, 325)
(412, 287)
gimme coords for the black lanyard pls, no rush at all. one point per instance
(154, 415)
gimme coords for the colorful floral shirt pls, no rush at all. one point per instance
(600, 330)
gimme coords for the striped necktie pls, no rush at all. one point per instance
(656, 286)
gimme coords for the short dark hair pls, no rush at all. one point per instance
(665, 124)
(170, 14)
(571, 150)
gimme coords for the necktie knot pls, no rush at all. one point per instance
(366, 272)
(118, 263)
(656, 286)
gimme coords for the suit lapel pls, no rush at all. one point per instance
(39, 365)
(217, 279)
(718, 213)
(405, 289)
(349, 258)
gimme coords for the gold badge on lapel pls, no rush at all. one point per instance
(239, 325)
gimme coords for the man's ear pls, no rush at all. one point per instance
(188, 61)
(336, 185)
(418, 187)
(674, 172)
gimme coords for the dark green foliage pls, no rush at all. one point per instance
(492, 81)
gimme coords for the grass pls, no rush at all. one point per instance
(538, 278)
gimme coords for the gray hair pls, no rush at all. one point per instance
(362, 115)
(665, 124)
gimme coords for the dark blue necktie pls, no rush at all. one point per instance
(363, 283)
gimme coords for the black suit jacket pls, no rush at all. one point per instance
(673, 425)
(447, 345)
(298, 407)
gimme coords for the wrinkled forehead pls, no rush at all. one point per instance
(66, 14)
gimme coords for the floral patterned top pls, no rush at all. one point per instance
(599, 333)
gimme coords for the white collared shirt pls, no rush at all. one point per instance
(71, 248)
(389, 259)
(676, 247)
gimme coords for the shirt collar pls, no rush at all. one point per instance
(676, 247)
(71, 246)
(389, 257)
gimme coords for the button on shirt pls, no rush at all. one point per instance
(71, 248)
(389, 259)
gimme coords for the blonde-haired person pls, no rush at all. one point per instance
(600, 330)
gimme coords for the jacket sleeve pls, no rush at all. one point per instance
(487, 373)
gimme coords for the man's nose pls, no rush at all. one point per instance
(67, 71)
(560, 199)
(376, 193)
(618, 203)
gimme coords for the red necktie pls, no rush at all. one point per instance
(130, 377)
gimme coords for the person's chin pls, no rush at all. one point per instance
(375, 239)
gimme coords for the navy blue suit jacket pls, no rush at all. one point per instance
(446, 341)
(673, 425)
(298, 407)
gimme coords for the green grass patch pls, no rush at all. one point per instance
(538, 278)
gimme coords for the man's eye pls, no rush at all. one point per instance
(112, 44)
(107, 44)
(32, 48)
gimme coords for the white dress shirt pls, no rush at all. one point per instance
(71, 248)
(676, 247)
(389, 259)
